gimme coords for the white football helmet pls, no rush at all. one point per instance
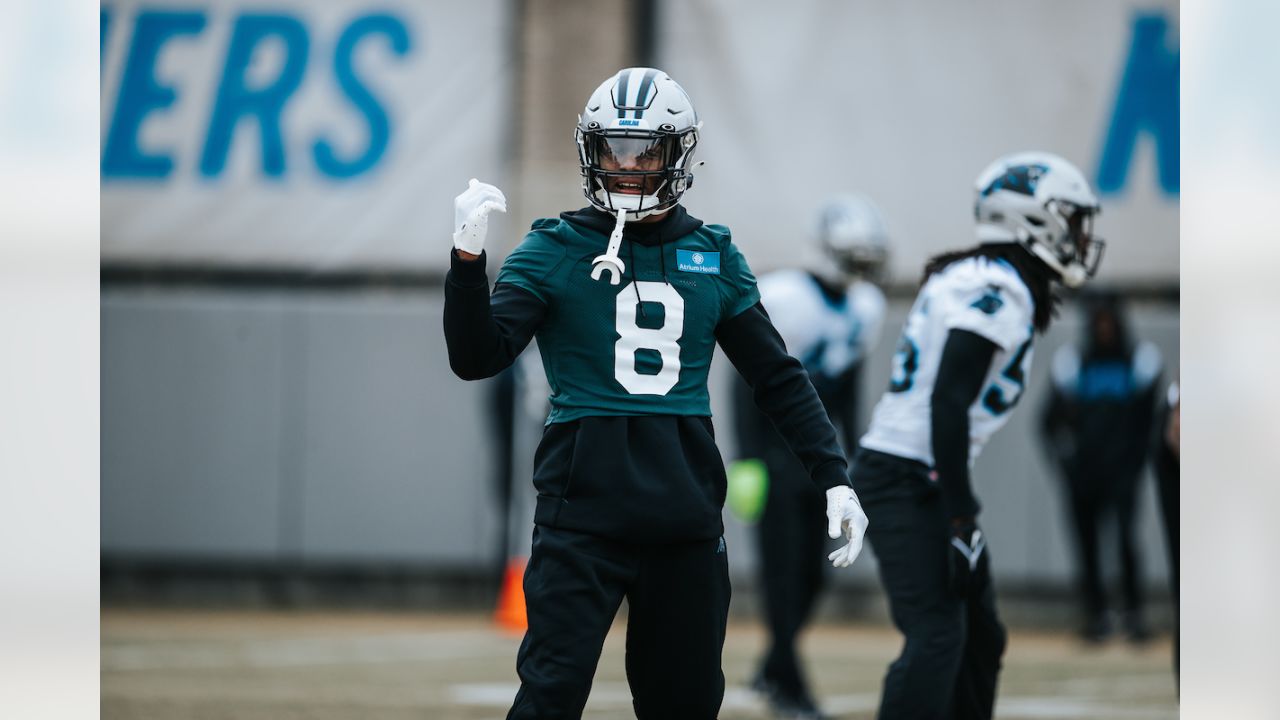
(852, 238)
(1045, 203)
(636, 139)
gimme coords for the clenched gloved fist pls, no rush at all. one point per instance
(471, 215)
(844, 514)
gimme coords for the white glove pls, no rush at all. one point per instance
(471, 215)
(845, 512)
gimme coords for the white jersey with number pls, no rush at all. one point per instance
(982, 296)
(826, 336)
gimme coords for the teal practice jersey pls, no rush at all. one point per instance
(643, 346)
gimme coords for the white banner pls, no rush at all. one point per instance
(908, 101)
(298, 134)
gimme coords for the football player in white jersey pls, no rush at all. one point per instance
(960, 367)
(829, 313)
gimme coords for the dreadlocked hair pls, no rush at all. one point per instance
(1033, 273)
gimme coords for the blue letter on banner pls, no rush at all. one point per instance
(237, 100)
(376, 117)
(1147, 102)
(140, 94)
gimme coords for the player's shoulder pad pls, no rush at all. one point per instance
(735, 280)
(786, 279)
(1065, 368)
(547, 235)
(867, 295)
(551, 230)
(719, 234)
(985, 297)
(732, 261)
(989, 285)
(539, 253)
(1147, 364)
(788, 285)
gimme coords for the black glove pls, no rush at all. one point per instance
(968, 557)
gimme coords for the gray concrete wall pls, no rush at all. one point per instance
(288, 427)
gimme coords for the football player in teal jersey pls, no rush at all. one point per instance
(628, 298)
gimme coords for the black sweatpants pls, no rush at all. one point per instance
(793, 540)
(950, 661)
(1168, 475)
(1093, 497)
(678, 603)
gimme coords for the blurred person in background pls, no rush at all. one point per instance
(1096, 425)
(829, 313)
(961, 366)
(1168, 468)
(630, 482)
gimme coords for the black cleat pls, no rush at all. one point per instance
(796, 707)
(1097, 629)
(1136, 628)
(762, 686)
(784, 704)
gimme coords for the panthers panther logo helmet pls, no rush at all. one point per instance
(636, 139)
(1044, 203)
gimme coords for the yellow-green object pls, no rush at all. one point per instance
(748, 488)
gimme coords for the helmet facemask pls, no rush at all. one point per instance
(643, 172)
(1063, 239)
(860, 262)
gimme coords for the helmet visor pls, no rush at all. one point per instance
(629, 153)
(631, 164)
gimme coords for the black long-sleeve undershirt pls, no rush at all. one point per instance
(782, 390)
(485, 333)
(962, 371)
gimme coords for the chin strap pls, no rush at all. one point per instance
(609, 261)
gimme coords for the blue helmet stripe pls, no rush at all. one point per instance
(646, 84)
(622, 93)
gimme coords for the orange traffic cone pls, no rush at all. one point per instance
(511, 613)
